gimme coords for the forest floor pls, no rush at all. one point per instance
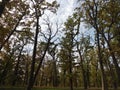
(22, 88)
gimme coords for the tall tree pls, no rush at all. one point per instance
(99, 14)
(91, 11)
(83, 47)
(111, 26)
(52, 51)
(31, 78)
(16, 16)
(39, 11)
(68, 44)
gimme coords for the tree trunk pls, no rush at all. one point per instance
(41, 60)
(41, 79)
(113, 78)
(88, 75)
(16, 68)
(83, 71)
(103, 76)
(64, 79)
(113, 57)
(55, 83)
(26, 71)
(71, 77)
(70, 72)
(12, 31)
(5, 71)
(31, 78)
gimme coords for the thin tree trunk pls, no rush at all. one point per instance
(17, 67)
(103, 76)
(88, 75)
(112, 73)
(33, 73)
(55, 83)
(83, 71)
(71, 77)
(41, 60)
(64, 79)
(96, 77)
(31, 78)
(70, 63)
(26, 74)
(42, 78)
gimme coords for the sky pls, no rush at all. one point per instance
(65, 10)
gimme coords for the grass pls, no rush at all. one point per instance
(45, 88)
(11, 88)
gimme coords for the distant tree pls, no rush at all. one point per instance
(83, 48)
(67, 47)
(53, 51)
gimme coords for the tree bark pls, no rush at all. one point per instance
(103, 76)
(71, 76)
(83, 70)
(26, 73)
(41, 59)
(17, 67)
(55, 82)
(12, 31)
(117, 68)
(64, 79)
(32, 72)
(113, 78)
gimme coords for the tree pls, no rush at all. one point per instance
(110, 27)
(103, 21)
(32, 78)
(38, 14)
(16, 16)
(8, 63)
(62, 65)
(24, 39)
(83, 48)
(11, 33)
(67, 47)
(52, 51)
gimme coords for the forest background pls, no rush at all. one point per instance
(44, 44)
